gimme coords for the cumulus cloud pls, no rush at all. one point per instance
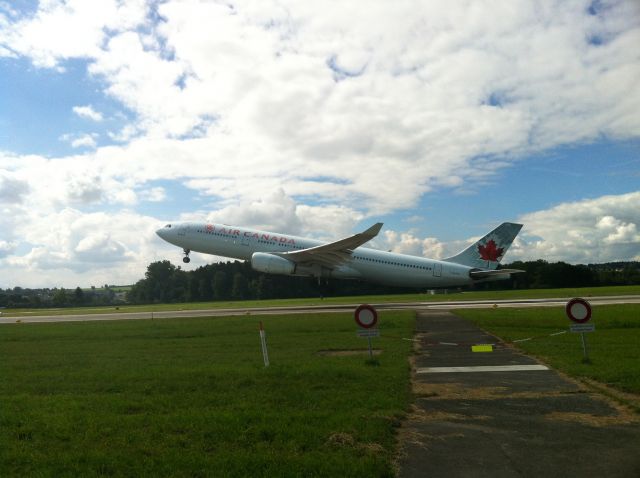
(409, 243)
(376, 105)
(156, 194)
(603, 229)
(62, 29)
(73, 248)
(290, 116)
(84, 141)
(80, 140)
(88, 112)
(589, 231)
(99, 247)
(280, 212)
(84, 190)
(6, 248)
(12, 189)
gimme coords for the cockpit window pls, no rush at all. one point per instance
(168, 226)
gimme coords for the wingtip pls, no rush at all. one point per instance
(373, 230)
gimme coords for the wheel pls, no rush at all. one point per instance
(186, 260)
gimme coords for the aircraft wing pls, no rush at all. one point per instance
(483, 274)
(334, 253)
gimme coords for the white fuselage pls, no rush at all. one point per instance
(366, 264)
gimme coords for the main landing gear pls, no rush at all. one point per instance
(186, 258)
(324, 288)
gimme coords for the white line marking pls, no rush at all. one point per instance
(483, 368)
(447, 343)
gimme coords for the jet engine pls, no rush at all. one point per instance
(272, 264)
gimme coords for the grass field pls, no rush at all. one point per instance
(614, 347)
(191, 397)
(476, 295)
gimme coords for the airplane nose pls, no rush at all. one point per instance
(162, 232)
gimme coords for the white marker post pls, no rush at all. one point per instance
(366, 318)
(579, 311)
(263, 341)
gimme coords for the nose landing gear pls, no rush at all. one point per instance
(186, 258)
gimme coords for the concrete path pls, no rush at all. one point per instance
(521, 421)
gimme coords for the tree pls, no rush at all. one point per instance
(160, 281)
(220, 286)
(240, 289)
(204, 288)
(60, 298)
(78, 296)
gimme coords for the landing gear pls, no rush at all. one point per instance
(323, 287)
(186, 258)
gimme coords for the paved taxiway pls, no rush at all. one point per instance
(504, 414)
(547, 302)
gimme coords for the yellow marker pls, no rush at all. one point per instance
(482, 348)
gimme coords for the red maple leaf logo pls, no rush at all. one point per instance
(489, 252)
(209, 227)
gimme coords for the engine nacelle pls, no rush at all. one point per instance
(272, 264)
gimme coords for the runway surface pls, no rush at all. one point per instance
(329, 308)
(505, 414)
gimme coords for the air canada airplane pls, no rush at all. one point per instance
(345, 259)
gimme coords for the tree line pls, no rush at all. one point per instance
(236, 280)
(19, 297)
(165, 283)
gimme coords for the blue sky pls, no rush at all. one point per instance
(116, 117)
(536, 182)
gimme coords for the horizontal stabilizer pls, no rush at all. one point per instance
(498, 272)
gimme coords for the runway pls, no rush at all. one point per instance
(329, 308)
(505, 414)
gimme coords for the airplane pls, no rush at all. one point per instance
(275, 253)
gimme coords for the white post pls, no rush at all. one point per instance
(584, 348)
(263, 341)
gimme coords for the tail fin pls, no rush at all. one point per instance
(488, 251)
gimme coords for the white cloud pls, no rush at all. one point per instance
(12, 189)
(84, 190)
(99, 247)
(307, 119)
(88, 112)
(62, 29)
(603, 229)
(84, 141)
(596, 230)
(6, 248)
(279, 212)
(261, 86)
(408, 243)
(156, 194)
(125, 134)
(73, 248)
(376, 105)
(80, 140)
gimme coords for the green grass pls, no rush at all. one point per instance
(453, 296)
(614, 347)
(191, 397)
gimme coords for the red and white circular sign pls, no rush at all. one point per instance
(578, 310)
(366, 316)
